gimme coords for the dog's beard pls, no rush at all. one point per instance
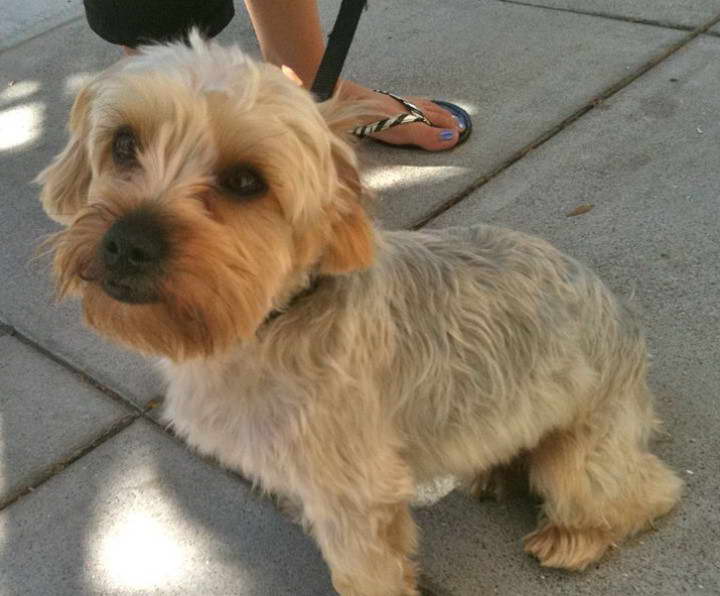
(214, 290)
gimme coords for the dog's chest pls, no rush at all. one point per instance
(234, 415)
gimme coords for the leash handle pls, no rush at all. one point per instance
(337, 48)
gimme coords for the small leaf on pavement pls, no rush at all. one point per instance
(579, 210)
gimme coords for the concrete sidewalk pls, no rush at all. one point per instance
(575, 102)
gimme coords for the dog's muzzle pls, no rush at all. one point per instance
(133, 252)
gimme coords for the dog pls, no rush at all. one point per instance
(216, 219)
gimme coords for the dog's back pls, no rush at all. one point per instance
(497, 334)
(501, 339)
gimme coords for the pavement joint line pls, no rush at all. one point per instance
(167, 430)
(562, 125)
(255, 489)
(137, 413)
(56, 468)
(82, 375)
(17, 44)
(604, 15)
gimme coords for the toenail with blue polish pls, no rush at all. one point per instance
(460, 124)
(447, 135)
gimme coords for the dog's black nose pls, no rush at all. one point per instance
(135, 244)
(134, 250)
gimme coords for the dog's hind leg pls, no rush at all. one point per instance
(599, 484)
(501, 482)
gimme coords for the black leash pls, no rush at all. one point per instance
(337, 48)
(323, 88)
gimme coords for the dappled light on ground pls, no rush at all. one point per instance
(18, 90)
(21, 125)
(139, 552)
(143, 541)
(388, 177)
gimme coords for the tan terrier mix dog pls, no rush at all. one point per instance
(215, 218)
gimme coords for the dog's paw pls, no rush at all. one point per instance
(567, 548)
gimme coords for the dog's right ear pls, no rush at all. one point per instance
(66, 180)
(351, 245)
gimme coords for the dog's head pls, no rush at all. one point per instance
(196, 184)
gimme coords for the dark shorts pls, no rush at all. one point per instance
(133, 22)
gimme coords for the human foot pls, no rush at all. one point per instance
(442, 135)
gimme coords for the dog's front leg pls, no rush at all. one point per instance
(368, 549)
(355, 492)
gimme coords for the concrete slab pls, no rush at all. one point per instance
(646, 160)
(666, 12)
(140, 515)
(48, 413)
(22, 19)
(519, 70)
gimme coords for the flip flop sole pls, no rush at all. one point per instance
(461, 115)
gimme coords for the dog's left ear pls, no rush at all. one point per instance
(351, 245)
(66, 180)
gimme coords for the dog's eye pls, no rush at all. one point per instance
(242, 181)
(124, 147)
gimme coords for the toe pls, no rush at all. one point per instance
(432, 138)
(439, 116)
(426, 137)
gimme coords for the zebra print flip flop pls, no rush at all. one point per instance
(414, 114)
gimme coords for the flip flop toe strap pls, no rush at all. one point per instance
(414, 114)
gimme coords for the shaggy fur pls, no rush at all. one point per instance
(411, 356)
